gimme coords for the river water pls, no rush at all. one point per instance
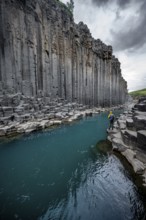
(62, 174)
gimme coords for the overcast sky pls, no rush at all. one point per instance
(122, 24)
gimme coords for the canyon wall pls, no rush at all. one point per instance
(44, 53)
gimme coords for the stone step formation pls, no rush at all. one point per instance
(43, 53)
(129, 137)
(20, 114)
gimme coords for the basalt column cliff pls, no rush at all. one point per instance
(44, 53)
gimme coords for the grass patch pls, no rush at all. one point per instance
(138, 94)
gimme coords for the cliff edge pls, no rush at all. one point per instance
(43, 53)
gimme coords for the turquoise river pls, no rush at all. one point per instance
(64, 174)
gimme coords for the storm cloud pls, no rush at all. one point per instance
(121, 3)
(132, 34)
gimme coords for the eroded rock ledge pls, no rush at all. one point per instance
(129, 137)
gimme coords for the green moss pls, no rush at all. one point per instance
(104, 146)
(138, 93)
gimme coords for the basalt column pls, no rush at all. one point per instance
(44, 53)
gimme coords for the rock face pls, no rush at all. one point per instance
(44, 53)
(129, 137)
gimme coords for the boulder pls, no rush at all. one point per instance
(5, 120)
(2, 131)
(19, 110)
(114, 131)
(116, 126)
(43, 124)
(141, 139)
(122, 124)
(1, 113)
(125, 112)
(26, 117)
(142, 99)
(36, 107)
(137, 165)
(140, 122)
(116, 135)
(27, 127)
(118, 145)
(57, 122)
(129, 138)
(70, 114)
(141, 107)
(26, 107)
(130, 123)
(8, 111)
(59, 115)
(11, 130)
(138, 113)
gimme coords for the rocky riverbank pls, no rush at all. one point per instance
(129, 137)
(20, 114)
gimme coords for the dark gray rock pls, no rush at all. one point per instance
(54, 59)
(19, 110)
(118, 145)
(141, 107)
(130, 124)
(141, 139)
(138, 113)
(142, 99)
(129, 137)
(121, 124)
(7, 111)
(140, 122)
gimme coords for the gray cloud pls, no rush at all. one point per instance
(120, 3)
(128, 34)
(131, 36)
(118, 16)
(123, 3)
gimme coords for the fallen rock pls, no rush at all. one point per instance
(130, 123)
(59, 115)
(27, 127)
(7, 111)
(116, 126)
(2, 131)
(56, 122)
(118, 145)
(122, 124)
(129, 137)
(137, 165)
(140, 122)
(19, 110)
(137, 113)
(141, 107)
(114, 131)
